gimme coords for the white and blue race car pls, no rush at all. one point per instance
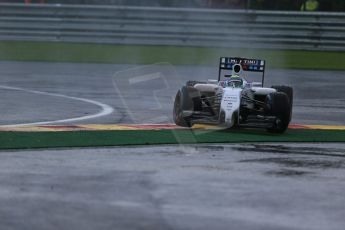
(235, 101)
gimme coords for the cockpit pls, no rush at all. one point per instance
(234, 82)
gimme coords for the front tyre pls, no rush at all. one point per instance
(288, 91)
(187, 99)
(177, 113)
(279, 107)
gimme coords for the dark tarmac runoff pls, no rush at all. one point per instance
(238, 186)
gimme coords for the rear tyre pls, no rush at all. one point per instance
(279, 106)
(187, 99)
(288, 91)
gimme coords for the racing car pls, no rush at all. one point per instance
(233, 100)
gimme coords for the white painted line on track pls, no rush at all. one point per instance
(106, 109)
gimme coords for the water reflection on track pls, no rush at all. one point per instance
(239, 186)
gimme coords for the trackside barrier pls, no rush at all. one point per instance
(173, 26)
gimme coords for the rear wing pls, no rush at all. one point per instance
(252, 65)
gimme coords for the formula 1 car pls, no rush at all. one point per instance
(233, 100)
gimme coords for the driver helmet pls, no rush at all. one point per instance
(237, 70)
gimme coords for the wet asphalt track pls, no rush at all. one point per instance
(145, 94)
(262, 186)
(175, 187)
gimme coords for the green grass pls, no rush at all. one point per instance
(30, 140)
(100, 53)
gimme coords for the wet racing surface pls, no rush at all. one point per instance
(252, 186)
(145, 94)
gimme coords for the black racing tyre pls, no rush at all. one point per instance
(188, 98)
(177, 113)
(288, 91)
(279, 106)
